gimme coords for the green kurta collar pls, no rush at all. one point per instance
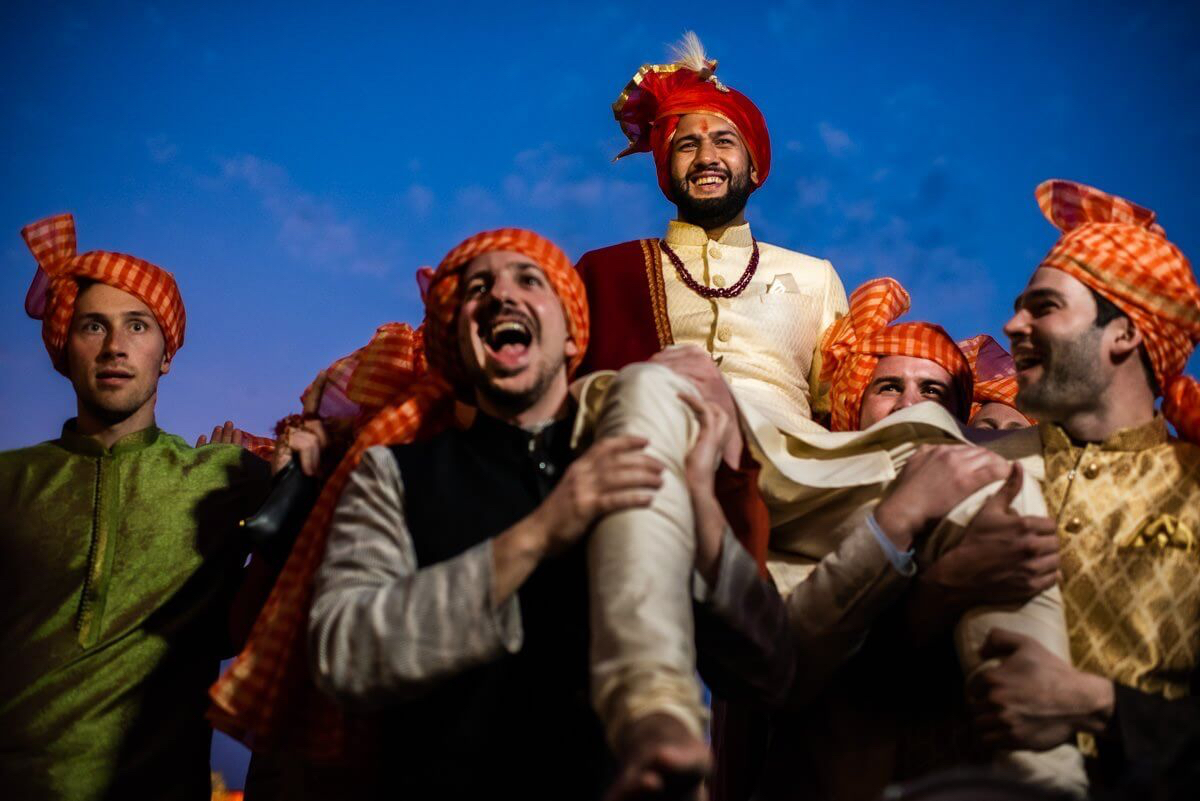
(71, 440)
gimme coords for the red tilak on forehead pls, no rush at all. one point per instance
(703, 126)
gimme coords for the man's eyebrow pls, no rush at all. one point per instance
(713, 134)
(879, 378)
(98, 315)
(1033, 294)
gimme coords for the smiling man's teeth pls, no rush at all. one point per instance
(709, 179)
(508, 325)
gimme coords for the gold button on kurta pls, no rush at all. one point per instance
(718, 280)
(768, 340)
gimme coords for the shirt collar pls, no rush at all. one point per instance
(1138, 438)
(504, 434)
(682, 234)
(86, 445)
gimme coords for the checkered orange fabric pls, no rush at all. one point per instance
(52, 294)
(262, 447)
(851, 348)
(994, 372)
(1118, 249)
(387, 365)
(266, 698)
(443, 295)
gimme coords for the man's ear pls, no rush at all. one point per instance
(754, 175)
(164, 367)
(570, 349)
(1124, 338)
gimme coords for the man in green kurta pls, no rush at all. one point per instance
(119, 549)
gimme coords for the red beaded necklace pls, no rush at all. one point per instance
(712, 292)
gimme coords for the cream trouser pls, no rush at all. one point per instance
(641, 560)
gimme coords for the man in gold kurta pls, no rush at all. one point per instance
(1105, 325)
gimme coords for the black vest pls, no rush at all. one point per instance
(521, 726)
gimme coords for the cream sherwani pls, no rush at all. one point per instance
(766, 339)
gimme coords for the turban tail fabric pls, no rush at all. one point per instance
(52, 294)
(650, 106)
(853, 345)
(1118, 250)
(994, 372)
(402, 388)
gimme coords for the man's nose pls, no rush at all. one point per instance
(910, 397)
(1017, 325)
(114, 344)
(503, 289)
(706, 152)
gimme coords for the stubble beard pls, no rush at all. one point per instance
(117, 411)
(713, 212)
(1070, 380)
(514, 402)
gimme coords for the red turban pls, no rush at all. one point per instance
(266, 697)
(994, 372)
(1117, 249)
(659, 94)
(52, 294)
(851, 348)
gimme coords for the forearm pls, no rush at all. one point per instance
(375, 640)
(381, 625)
(516, 553)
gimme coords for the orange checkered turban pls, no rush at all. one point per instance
(51, 296)
(266, 697)
(1117, 249)
(994, 372)
(851, 348)
(444, 295)
(650, 106)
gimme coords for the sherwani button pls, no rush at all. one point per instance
(1074, 525)
(724, 334)
(1091, 471)
(718, 280)
(714, 253)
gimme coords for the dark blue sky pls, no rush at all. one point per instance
(293, 168)
(293, 164)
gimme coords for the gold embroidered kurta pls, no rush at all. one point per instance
(1129, 517)
(766, 338)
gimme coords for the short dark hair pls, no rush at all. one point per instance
(1106, 312)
